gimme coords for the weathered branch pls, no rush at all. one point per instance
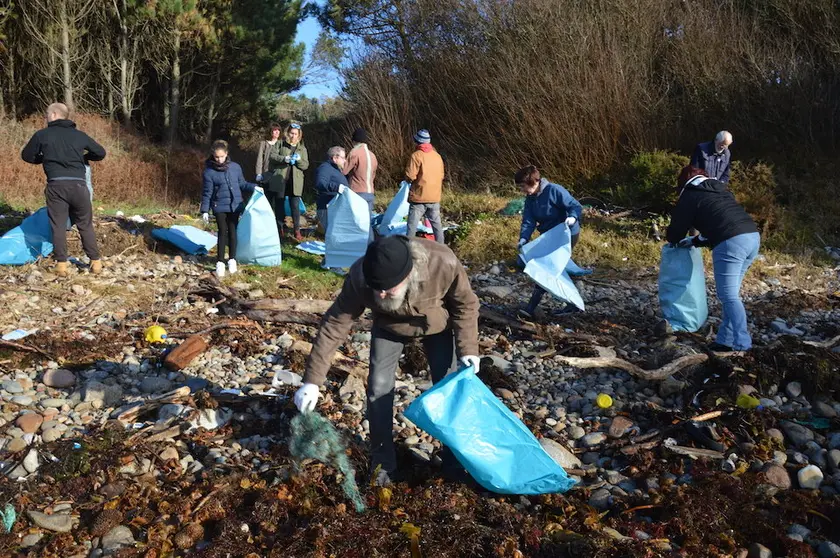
(651, 375)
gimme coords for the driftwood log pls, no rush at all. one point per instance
(658, 374)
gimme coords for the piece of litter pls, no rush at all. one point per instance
(137, 219)
(120, 214)
(18, 334)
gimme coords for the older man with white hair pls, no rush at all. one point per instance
(330, 181)
(714, 157)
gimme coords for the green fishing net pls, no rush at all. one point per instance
(515, 207)
(314, 437)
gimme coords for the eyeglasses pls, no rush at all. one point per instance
(294, 126)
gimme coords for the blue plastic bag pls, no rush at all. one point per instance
(396, 212)
(288, 208)
(495, 447)
(28, 241)
(189, 239)
(348, 230)
(315, 247)
(546, 260)
(257, 238)
(682, 288)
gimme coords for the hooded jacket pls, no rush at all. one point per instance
(223, 187)
(63, 150)
(707, 205)
(549, 207)
(425, 172)
(439, 298)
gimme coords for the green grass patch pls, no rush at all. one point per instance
(300, 276)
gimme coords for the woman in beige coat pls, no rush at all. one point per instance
(263, 155)
(287, 165)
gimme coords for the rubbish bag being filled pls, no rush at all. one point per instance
(348, 230)
(258, 241)
(682, 288)
(546, 260)
(27, 242)
(495, 447)
(288, 208)
(189, 239)
(396, 212)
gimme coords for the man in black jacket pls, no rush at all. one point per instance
(64, 151)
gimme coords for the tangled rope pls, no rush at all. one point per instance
(314, 437)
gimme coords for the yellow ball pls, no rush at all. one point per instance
(155, 334)
(604, 401)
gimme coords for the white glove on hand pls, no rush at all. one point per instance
(205, 217)
(259, 178)
(307, 397)
(342, 188)
(522, 242)
(471, 360)
(570, 221)
(287, 158)
(686, 242)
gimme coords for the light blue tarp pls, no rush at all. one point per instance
(28, 241)
(546, 259)
(316, 247)
(288, 208)
(396, 212)
(495, 447)
(257, 239)
(189, 239)
(682, 288)
(348, 230)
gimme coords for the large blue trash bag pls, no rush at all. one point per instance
(396, 212)
(288, 208)
(189, 239)
(495, 447)
(348, 230)
(546, 260)
(682, 288)
(257, 239)
(28, 241)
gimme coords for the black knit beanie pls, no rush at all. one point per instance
(387, 262)
(360, 136)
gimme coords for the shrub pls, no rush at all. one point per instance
(653, 179)
(754, 187)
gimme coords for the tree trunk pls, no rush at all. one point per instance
(111, 107)
(166, 96)
(175, 88)
(211, 112)
(12, 86)
(65, 56)
(2, 104)
(124, 105)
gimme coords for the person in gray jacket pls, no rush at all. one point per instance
(264, 154)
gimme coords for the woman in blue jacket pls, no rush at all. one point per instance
(547, 205)
(223, 187)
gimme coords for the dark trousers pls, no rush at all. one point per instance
(385, 351)
(71, 198)
(539, 292)
(227, 234)
(277, 200)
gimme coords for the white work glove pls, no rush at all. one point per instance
(342, 188)
(570, 221)
(686, 242)
(471, 360)
(522, 242)
(259, 178)
(307, 397)
(287, 158)
(205, 217)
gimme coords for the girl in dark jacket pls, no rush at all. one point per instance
(222, 193)
(707, 205)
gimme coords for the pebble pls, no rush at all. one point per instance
(833, 459)
(810, 477)
(619, 426)
(560, 454)
(117, 538)
(778, 476)
(793, 389)
(601, 499)
(775, 434)
(59, 523)
(13, 387)
(594, 439)
(29, 422)
(30, 462)
(759, 551)
(16, 445)
(823, 409)
(506, 394)
(155, 384)
(576, 432)
(796, 433)
(54, 403)
(107, 395)
(31, 540)
(22, 400)
(59, 378)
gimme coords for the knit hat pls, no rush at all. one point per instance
(387, 262)
(360, 136)
(423, 136)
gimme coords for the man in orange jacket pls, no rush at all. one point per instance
(425, 173)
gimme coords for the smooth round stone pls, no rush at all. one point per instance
(22, 400)
(54, 403)
(59, 378)
(51, 435)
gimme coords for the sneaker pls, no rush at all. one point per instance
(220, 269)
(232, 266)
(719, 348)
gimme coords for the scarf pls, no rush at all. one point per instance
(219, 167)
(425, 147)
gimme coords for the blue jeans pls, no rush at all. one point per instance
(732, 258)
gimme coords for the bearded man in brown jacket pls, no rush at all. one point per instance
(416, 289)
